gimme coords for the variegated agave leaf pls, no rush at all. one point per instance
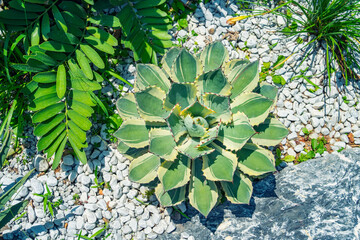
(196, 125)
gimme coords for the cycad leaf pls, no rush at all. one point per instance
(43, 102)
(46, 126)
(45, 77)
(79, 152)
(47, 139)
(45, 26)
(59, 20)
(59, 153)
(48, 112)
(80, 120)
(84, 64)
(61, 81)
(92, 55)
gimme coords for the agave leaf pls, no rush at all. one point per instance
(197, 110)
(254, 160)
(221, 106)
(190, 149)
(162, 144)
(234, 67)
(144, 168)
(183, 94)
(269, 133)
(171, 197)
(240, 190)
(133, 133)
(150, 104)
(186, 68)
(150, 75)
(267, 90)
(213, 56)
(126, 107)
(210, 136)
(246, 80)
(237, 133)
(131, 153)
(176, 123)
(169, 59)
(214, 82)
(203, 194)
(255, 106)
(175, 174)
(219, 165)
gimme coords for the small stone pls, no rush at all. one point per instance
(133, 224)
(37, 186)
(78, 210)
(182, 33)
(298, 148)
(40, 163)
(31, 214)
(52, 181)
(90, 206)
(325, 131)
(291, 152)
(24, 191)
(282, 113)
(211, 31)
(158, 229)
(89, 226)
(86, 180)
(68, 160)
(72, 175)
(90, 216)
(315, 122)
(281, 21)
(292, 136)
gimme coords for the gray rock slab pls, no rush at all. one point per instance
(317, 199)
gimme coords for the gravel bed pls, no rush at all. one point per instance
(323, 112)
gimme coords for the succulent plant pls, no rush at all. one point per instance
(195, 126)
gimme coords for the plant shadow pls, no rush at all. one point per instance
(264, 188)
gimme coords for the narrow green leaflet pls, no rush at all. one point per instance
(44, 101)
(175, 174)
(219, 165)
(48, 112)
(80, 120)
(45, 77)
(144, 168)
(171, 197)
(84, 64)
(92, 55)
(61, 81)
(59, 153)
(234, 135)
(44, 127)
(80, 154)
(47, 139)
(269, 133)
(162, 144)
(240, 190)
(255, 106)
(150, 75)
(133, 133)
(255, 161)
(203, 194)
(213, 56)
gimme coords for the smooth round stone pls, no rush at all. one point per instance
(68, 160)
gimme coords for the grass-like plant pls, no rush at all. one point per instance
(195, 127)
(337, 24)
(48, 204)
(333, 22)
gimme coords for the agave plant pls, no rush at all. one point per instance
(195, 127)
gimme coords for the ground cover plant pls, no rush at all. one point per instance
(200, 131)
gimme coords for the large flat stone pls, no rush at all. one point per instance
(317, 199)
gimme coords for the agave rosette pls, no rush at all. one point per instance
(196, 126)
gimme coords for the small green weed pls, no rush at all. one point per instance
(95, 235)
(98, 185)
(48, 204)
(268, 70)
